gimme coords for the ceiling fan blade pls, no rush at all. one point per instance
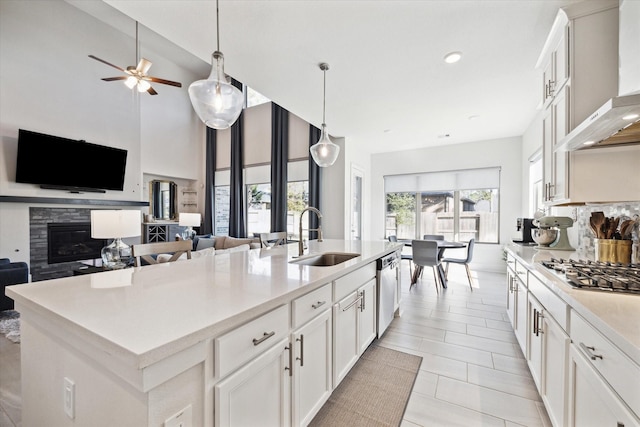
(152, 91)
(143, 66)
(163, 81)
(107, 63)
(111, 79)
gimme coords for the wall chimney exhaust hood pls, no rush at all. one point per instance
(616, 122)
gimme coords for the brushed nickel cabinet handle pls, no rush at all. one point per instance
(538, 326)
(266, 336)
(362, 300)
(301, 358)
(318, 304)
(589, 350)
(290, 367)
(354, 302)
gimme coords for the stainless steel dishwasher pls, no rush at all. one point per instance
(388, 277)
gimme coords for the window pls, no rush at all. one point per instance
(297, 201)
(222, 204)
(258, 208)
(457, 204)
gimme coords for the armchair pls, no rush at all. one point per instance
(11, 273)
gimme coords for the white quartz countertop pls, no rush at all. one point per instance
(147, 313)
(615, 315)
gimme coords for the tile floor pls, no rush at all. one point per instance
(473, 372)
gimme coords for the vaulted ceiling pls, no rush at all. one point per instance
(388, 87)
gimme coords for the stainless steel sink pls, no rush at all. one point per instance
(326, 259)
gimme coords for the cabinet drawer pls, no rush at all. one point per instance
(346, 284)
(617, 369)
(310, 305)
(237, 347)
(550, 301)
(521, 272)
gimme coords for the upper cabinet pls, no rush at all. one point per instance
(579, 71)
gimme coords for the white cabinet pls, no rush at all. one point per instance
(579, 72)
(591, 401)
(555, 350)
(367, 316)
(534, 340)
(241, 400)
(517, 301)
(312, 372)
(354, 328)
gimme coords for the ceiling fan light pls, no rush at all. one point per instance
(143, 85)
(131, 82)
(324, 152)
(217, 102)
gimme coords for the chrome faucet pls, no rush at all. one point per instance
(319, 229)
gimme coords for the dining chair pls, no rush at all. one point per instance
(269, 240)
(408, 257)
(433, 237)
(464, 261)
(146, 250)
(425, 254)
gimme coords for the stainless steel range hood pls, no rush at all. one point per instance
(607, 126)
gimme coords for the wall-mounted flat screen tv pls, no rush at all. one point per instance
(54, 162)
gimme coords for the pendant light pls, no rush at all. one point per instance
(216, 101)
(324, 152)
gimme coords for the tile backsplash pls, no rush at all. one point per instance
(629, 210)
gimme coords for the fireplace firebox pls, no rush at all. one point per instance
(72, 242)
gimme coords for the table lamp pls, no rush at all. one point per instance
(188, 220)
(115, 224)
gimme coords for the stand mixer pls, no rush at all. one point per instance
(561, 223)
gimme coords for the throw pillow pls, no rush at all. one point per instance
(240, 248)
(198, 237)
(204, 243)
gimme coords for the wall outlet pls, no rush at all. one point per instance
(69, 397)
(181, 419)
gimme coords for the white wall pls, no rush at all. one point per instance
(505, 153)
(49, 84)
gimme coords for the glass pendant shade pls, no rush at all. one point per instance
(217, 102)
(324, 152)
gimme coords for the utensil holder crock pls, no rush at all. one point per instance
(610, 250)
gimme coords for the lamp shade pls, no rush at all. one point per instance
(111, 224)
(189, 219)
(324, 152)
(217, 102)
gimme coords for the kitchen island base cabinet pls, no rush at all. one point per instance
(592, 403)
(354, 328)
(312, 371)
(259, 394)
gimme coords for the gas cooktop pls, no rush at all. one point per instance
(598, 276)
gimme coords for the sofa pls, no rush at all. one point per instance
(208, 245)
(11, 273)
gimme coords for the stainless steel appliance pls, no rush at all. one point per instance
(598, 275)
(523, 231)
(388, 277)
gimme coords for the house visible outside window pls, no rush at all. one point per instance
(297, 201)
(258, 208)
(457, 204)
(222, 205)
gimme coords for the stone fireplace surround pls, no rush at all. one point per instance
(39, 217)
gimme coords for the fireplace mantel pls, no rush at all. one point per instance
(68, 201)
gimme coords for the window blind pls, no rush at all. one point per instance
(467, 179)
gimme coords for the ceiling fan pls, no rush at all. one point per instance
(137, 76)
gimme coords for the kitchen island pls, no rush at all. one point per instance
(140, 346)
(582, 346)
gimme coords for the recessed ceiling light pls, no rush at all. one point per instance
(473, 117)
(588, 143)
(630, 117)
(386, 130)
(444, 135)
(452, 57)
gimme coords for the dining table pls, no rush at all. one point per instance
(442, 246)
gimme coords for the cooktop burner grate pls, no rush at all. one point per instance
(596, 275)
